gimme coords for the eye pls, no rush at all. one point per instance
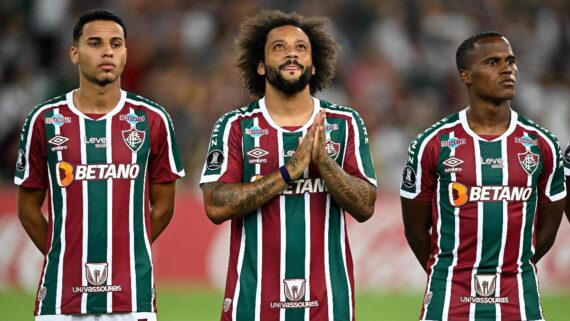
(302, 46)
(511, 61)
(278, 46)
(116, 45)
(492, 62)
(93, 43)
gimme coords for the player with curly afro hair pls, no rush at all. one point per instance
(253, 37)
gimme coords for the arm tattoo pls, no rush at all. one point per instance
(352, 193)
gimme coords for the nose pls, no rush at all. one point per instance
(107, 50)
(292, 53)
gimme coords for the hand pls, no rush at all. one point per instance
(319, 154)
(302, 158)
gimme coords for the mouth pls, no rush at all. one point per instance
(107, 66)
(508, 82)
(291, 66)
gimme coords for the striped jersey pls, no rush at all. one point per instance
(484, 196)
(567, 160)
(290, 259)
(97, 173)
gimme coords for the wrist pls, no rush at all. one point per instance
(285, 174)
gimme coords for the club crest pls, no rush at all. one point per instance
(332, 148)
(134, 138)
(529, 161)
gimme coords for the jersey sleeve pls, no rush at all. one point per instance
(358, 161)
(165, 164)
(224, 161)
(31, 165)
(419, 178)
(551, 184)
(567, 160)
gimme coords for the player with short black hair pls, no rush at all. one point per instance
(108, 161)
(284, 170)
(482, 196)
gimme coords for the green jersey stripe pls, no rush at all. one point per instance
(248, 275)
(338, 279)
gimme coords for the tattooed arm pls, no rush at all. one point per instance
(225, 201)
(352, 193)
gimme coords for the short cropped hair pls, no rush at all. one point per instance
(468, 45)
(253, 36)
(93, 15)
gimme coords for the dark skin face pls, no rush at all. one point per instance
(491, 71)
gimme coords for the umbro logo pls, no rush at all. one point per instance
(57, 140)
(451, 164)
(256, 154)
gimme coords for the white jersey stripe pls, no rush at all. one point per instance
(259, 240)
(110, 224)
(85, 216)
(239, 267)
(479, 180)
(505, 156)
(327, 263)
(283, 240)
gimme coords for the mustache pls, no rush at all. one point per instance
(291, 62)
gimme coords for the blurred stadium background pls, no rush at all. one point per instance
(396, 67)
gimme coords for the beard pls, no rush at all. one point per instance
(289, 87)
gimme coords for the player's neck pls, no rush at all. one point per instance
(489, 119)
(95, 99)
(289, 110)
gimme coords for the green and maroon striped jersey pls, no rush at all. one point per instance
(97, 172)
(290, 259)
(484, 194)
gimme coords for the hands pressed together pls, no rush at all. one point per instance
(311, 148)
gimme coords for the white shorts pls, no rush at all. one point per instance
(135, 316)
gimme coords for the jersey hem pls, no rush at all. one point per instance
(558, 196)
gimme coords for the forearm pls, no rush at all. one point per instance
(544, 242)
(419, 242)
(36, 226)
(159, 220)
(353, 194)
(225, 201)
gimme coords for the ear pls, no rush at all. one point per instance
(261, 68)
(73, 55)
(465, 76)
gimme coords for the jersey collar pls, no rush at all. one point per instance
(113, 112)
(265, 112)
(510, 129)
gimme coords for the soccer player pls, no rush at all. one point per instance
(482, 196)
(284, 169)
(107, 160)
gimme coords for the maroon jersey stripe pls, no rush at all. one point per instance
(232, 277)
(468, 218)
(72, 262)
(271, 229)
(317, 276)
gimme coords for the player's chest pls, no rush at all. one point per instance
(499, 163)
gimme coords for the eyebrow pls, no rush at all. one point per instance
(99, 38)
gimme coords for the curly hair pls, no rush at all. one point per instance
(253, 36)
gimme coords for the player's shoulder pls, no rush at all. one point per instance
(50, 103)
(531, 125)
(445, 124)
(144, 103)
(240, 113)
(339, 109)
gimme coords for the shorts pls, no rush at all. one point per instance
(134, 316)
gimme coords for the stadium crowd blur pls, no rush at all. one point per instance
(396, 65)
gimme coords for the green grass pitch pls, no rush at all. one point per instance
(204, 304)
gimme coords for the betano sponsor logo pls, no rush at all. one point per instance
(67, 173)
(306, 185)
(460, 194)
